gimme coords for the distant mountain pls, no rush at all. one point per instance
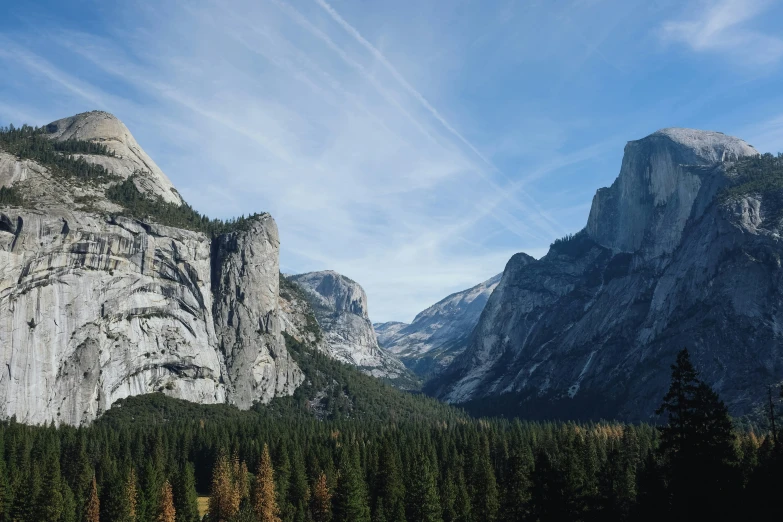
(340, 307)
(683, 250)
(439, 333)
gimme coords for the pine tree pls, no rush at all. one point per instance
(50, 501)
(516, 486)
(423, 502)
(92, 511)
(152, 480)
(69, 504)
(484, 489)
(349, 503)
(390, 486)
(131, 495)
(462, 504)
(224, 496)
(699, 445)
(166, 511)
(239, 470)
(264, 495)
(321, 501)
(185, 496)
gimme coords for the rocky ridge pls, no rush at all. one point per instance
(665, 261)
(340, 307)
(439, 333)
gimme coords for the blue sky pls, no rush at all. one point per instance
(413, 146)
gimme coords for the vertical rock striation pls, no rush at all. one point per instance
(340, 306)
(246, 312)
(95, 307)
(665, 261)
(439, 333)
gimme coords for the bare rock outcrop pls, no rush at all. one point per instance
(666, 261)
(340, 307)
(96, 306)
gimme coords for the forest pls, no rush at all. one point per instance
(150, 458)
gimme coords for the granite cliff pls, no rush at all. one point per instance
(683, 250)
(96, 305)
(340, 307)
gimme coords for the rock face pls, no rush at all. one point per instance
(439, 333)
(95, 306)
(129, 159)
(340, 306)
(245, 282)
(665, 262)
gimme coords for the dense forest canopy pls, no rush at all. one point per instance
(152, 456)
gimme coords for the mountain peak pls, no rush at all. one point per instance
(660, 179)
(711, 146)
(334, 290)
(130, 159)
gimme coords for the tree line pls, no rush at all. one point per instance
(148, 207)
(148, 459)
(62, 158)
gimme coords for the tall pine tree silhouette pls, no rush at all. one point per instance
(698, 443)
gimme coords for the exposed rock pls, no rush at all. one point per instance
(95, 306)
(439, 333)
(591, 329)
(340, 306)
(104, 128)
(93, 311)
(247, 316)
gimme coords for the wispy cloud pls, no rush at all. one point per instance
(722, 26)
(413, 148)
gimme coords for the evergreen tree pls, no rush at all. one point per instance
(484, 490)
(224, 495)
(423, 502)
(298, 495)
(264, 495)
(152, 480)
(516, 486)
(185, 496)
(349, 503)
(321, 501)
(92, 511)
(131, 495)
(699, 446)
(166, 511)
(69, 504)
(390, 486)
(50, 500)
(462, 504)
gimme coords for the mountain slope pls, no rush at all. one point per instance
(440, 332)
(667, 260)
(100, 300)
(340, 307)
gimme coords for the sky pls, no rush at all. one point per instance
(413, 146)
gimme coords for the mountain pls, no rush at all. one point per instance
(111, 286)
(683, 250)
(340, 307)
(439, 333)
